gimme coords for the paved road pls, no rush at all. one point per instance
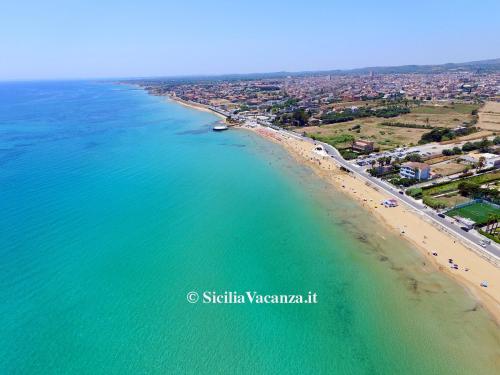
(446, 223)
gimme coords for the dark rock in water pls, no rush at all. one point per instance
(363, 238)
(475, 308)
(397, 269)
(429, 291)
(344, 222)
(413, 285)
(232, 144)
(196, 131)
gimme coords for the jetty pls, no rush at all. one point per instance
(219, 128)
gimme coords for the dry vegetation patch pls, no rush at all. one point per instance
(489, 116)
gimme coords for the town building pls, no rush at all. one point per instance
(490, 160)
(419, 171)
(363, 146)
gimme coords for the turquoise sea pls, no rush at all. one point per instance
(115, 204)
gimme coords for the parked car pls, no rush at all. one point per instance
(465, 229)
(483, 243)
(442, 215)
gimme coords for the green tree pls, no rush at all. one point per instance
(481, 162)
(468, 188)
(413, 157)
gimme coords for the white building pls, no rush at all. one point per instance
(414, 170)
(491, 160)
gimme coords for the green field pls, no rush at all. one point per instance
(462, 108)
(429, 194)
(453, 185)
(479, 212)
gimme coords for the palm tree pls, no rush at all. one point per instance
(489, 223)
(481, 162)
(381, 161)
(494, 223)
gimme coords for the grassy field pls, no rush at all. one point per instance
(436, 196)
(449, 115)
(390, 137)
(489, 116)
(470, 137)
(386, 137)
(446, 109)
(451, 186)
(479, 212)
(440, 159)
(452, 199)
(448, 168)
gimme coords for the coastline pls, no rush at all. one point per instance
(424, 235)
(197, 106)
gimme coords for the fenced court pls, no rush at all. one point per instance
(478, 211)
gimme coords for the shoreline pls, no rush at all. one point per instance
(424, 235)
(197, 106)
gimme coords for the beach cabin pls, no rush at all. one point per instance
(319, 149)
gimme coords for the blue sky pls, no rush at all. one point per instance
(119, 38)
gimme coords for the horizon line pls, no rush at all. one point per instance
(207, 75)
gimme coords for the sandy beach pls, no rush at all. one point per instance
(427, 236)
(197, 106)
(409, 224)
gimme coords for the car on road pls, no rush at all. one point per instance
(465, 229)
(442, 215)
(401, 192)
(483, 243)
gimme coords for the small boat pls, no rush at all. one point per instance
(219, 128)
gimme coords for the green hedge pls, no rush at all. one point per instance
(433, 202)
(444, 187)
(414, 192)
(490, 236)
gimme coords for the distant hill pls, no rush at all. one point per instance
(483, 66)
(471, 66)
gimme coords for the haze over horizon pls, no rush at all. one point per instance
(69, 39)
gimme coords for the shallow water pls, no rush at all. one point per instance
(115, 204)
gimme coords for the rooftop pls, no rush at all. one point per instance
(415, 165)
